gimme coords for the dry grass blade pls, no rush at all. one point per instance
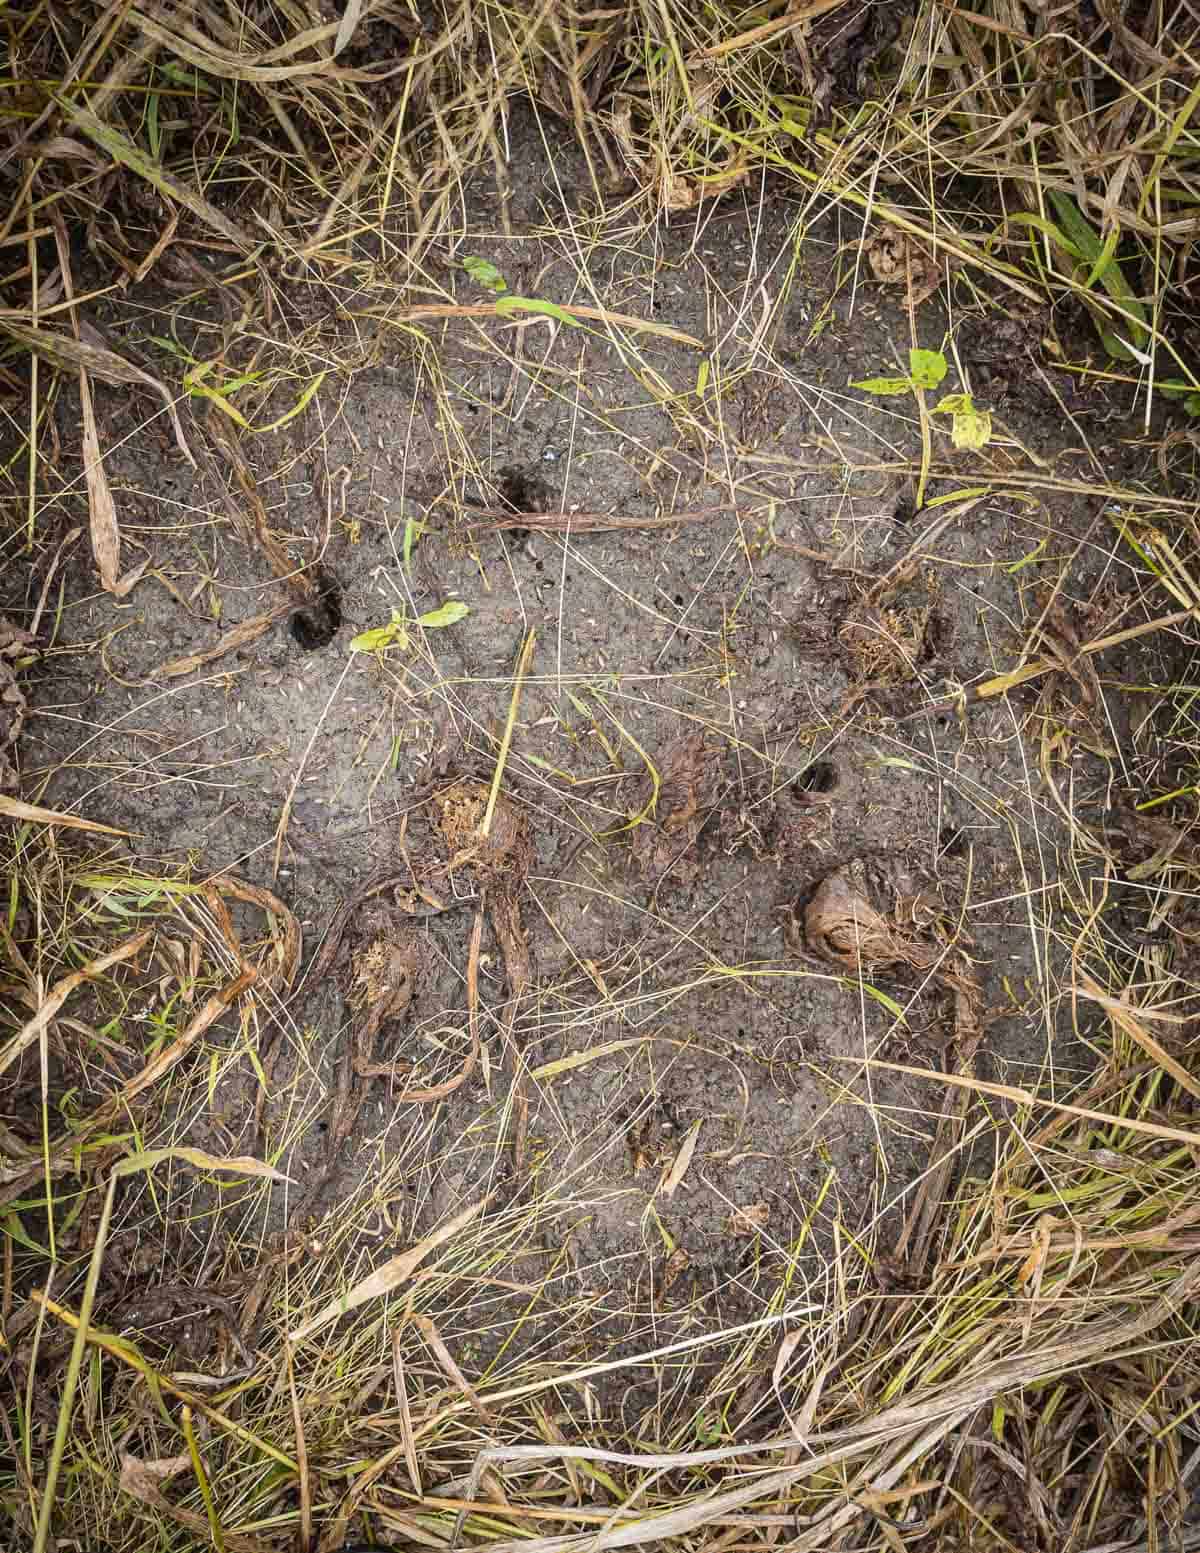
(34, 813)
(84, 355)
(238, 636)
(394, 1272)
(62, 990)
(132, 157)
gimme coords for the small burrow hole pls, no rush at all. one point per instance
(815, 780)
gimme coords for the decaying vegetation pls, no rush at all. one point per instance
(1014, 1365)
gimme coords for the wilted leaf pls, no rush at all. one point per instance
(485, 273)
(394, 634)
(972, 428)
(883, 385)
(928, 368)
(506, 306)
(448, 614)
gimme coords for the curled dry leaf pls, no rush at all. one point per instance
(842, 924)
(750, 1219)
(894, 256)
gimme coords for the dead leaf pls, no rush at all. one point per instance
(141, 1479)
(676, 1264)
(749, 1220)
(682, 1160)
(92, 355)
(16, 809)
(896, 256)
(102, 510)
(446, 1360)
(841, 924)
(16, 645)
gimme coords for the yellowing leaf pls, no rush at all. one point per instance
(928, 368)
(381, 638)
(448, 615)
(973, 430)
(506, 306)
(883, 385)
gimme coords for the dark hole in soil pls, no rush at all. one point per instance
(820, 777)
(952, 841)
(315, 625)
(522, 491)
(904, 511)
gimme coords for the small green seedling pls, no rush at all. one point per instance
(485, 273)
(926, 369)
(971, 428)
(396, 632)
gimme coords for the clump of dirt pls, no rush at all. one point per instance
(496, 847)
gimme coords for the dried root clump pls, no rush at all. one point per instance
(843, 925)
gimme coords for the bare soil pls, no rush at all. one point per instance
(736, 650)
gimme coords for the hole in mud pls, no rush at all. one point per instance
(315, 625)
(904, 511)
(820, 777)
(952, 841)
(522, 491)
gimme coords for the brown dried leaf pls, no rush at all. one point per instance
(15, 644)
(17, 809)
(106, 535)
(750, 1219)
(503, 856)
(895, 255)
(841, 924)
(683, 1158)
(676, 1263)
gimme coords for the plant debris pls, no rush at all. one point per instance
(17, 648)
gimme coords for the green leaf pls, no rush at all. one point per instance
(883, 385)
(1104, 268)
(506, 306)
(928, 368)
(485, 273)
(381, 638)
(1192, 404)
(448, 615)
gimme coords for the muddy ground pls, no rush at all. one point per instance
(795, 728)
